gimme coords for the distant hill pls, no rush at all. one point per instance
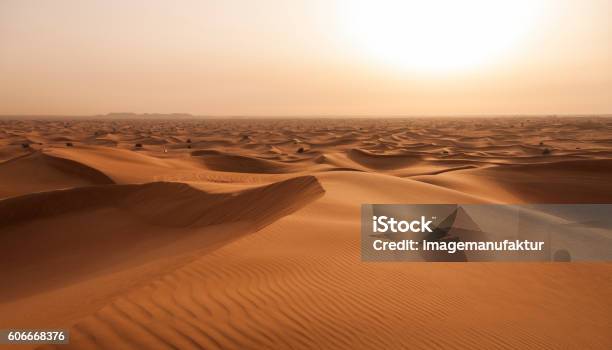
(130, 115)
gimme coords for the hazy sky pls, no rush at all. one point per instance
(289, 57)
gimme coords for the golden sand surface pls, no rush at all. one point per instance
(245, 233)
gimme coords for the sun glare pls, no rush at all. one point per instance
(437, 35)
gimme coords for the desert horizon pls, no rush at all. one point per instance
(189, 116)
(305, 174)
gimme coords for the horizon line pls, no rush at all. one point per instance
(184, 115)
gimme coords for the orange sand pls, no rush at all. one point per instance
(245, 233)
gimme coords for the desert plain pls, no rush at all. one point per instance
(245, 233)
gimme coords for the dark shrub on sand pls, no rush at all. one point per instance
(69, 144)
(546, 151)
(138, 145)
(25, 145)
(300, 150)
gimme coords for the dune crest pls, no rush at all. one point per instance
(382, 161)
(219, 161)
(169, 204)
(39, 171)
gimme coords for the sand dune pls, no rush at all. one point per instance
(215, 160)
(166, 204)
(310, 291)
(125, 165)
(246, 233)
(382, 161)
(89, 233)
(38, 171)
(553, 182)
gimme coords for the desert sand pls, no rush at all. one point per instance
(244, 233)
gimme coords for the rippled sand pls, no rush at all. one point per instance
(245, 233)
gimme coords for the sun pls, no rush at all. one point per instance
(437, 35)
